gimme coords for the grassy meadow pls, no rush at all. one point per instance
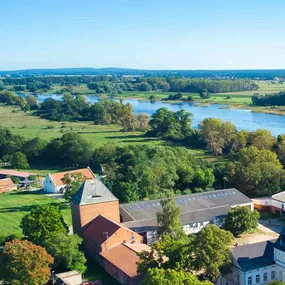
(15, 205)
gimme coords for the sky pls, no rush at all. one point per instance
(142, 34)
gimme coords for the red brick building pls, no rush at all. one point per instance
(96, 218)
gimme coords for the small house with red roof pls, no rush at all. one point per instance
(53, 182)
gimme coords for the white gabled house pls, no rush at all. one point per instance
(257, 264)
(53, 182)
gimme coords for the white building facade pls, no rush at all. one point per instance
(257, 264)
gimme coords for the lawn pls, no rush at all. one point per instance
(14, 205)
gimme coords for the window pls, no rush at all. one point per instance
(265, 276)
(257, 278)
(249, 280)
(237, 278)
(280, 275)
(272, 275)
(282, 206)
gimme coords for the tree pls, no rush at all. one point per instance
(256, 172)
(160, 276)
(211, 248)
(171, 125)
(72, 183)
(241, 219)
(263, 139)
(41, 222)
(26, 263)
(168, 218)
(218, 135)
(19, 161)
(32, 103)
(167, 253)
(204, 94)
(65, 251)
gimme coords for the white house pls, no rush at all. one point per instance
(53, 182)
(257, 264)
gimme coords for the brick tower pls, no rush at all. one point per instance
(92, 199)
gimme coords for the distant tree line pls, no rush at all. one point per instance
(117, 85)
(269, 99)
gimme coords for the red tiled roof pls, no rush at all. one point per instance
(56, 177)
(16, 173)
(99, 228)
(6, 182)
(124, 257)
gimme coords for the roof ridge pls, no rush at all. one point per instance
(198, 210)
(186, 195)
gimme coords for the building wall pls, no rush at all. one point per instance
(116, 273)
(49, 185)
(237, 276)
(76, 223)
(83, 214)
(108, 209)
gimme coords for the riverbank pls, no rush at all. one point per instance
(274, 110)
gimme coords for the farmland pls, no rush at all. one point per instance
(14, 205)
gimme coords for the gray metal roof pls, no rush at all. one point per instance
(93, 192)
(188, 203)
(186, 218)
(253, 256)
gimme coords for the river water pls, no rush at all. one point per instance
(242, 118)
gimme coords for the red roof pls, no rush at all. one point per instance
(124, 256)
(10, 172)
(100, 229)
(57, 177)
(6, 182)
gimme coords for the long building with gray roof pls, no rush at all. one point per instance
(196, 211)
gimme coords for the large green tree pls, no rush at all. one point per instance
(241, 219)
(41, 222)
(19, 160)
(65, 251)
(168, 253)
(171, 125)
(211, 249)
(218, 135)
(26, 263)
(168, 218)
(170, 277)
(256, 172)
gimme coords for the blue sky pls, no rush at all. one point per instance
(147, 34)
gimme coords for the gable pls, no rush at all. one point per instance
(57, 177)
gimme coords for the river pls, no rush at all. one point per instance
(242, 118)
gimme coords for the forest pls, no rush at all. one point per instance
(269, 99)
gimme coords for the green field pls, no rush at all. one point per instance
(14, 205)
(31, 126)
